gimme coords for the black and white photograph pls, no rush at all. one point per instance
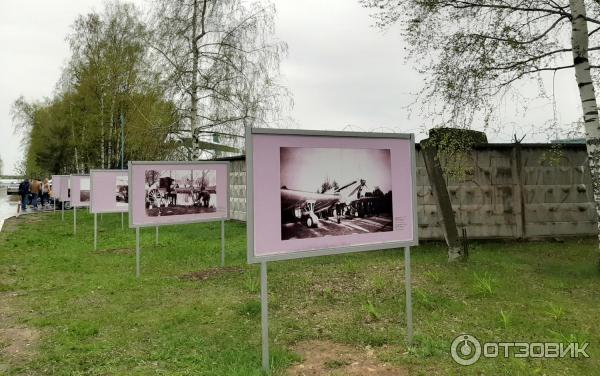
(84, 190)
(122, 191)
(180, 192)
(334, 191)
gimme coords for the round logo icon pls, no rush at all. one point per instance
(465, 349)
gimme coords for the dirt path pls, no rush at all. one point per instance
(332, 359)
(17, 341)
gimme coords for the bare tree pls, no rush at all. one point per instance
(221, 64)
(475, 52)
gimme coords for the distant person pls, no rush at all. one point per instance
(46, 193)
(36, 192)
(24, 193)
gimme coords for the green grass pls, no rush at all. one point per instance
(95, 318)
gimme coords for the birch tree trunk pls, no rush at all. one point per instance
(102, 130)
(194, 87)
(110, 133)
(587, 93)
(74, 138)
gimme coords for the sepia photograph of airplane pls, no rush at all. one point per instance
(362, 204)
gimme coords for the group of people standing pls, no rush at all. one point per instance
(35, 192)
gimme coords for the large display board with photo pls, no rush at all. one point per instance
(163, 193)
(315, 193)
(110, 191)
(80, 190)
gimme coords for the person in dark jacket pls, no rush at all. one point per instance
(24, 193)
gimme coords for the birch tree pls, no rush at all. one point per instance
(474, 52)
(220, 64)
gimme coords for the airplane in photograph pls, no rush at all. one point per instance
(307, 207)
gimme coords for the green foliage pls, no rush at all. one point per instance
(252, 284)
(453, 149)
(483, 284)
(554, 156)
(372, 313)
(433, 276)
(556, 312)
(505, 319)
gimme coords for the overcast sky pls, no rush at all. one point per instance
(340, 70)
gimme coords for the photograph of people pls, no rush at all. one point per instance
(179, 192)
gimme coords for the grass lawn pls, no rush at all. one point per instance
(84, 313)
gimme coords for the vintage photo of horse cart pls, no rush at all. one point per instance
(179, 192)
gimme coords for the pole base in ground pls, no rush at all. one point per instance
(74, 220)
(137, 252)
(264, 303)
(222, 244)
(407, 286)
(95, 231)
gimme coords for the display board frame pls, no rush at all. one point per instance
(100, 171)
(77, 202)
(253, 258)
(64, 181)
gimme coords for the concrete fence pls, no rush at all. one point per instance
(513, 191)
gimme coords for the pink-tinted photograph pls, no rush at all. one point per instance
(334, 191)
(180, 192)
(122, 191)
(84, 190)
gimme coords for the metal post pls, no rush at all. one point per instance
(264, 316)
(122, 226)
(62, 210)
(157, 236)
(137, 252)
(95, 231)
(222, 243)
(74, 220)
(407, 286)
(122, 118)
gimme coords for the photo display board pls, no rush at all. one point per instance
(60, 187)
(110, 191)
(165, 193)
(316, 193)
(80, 190)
